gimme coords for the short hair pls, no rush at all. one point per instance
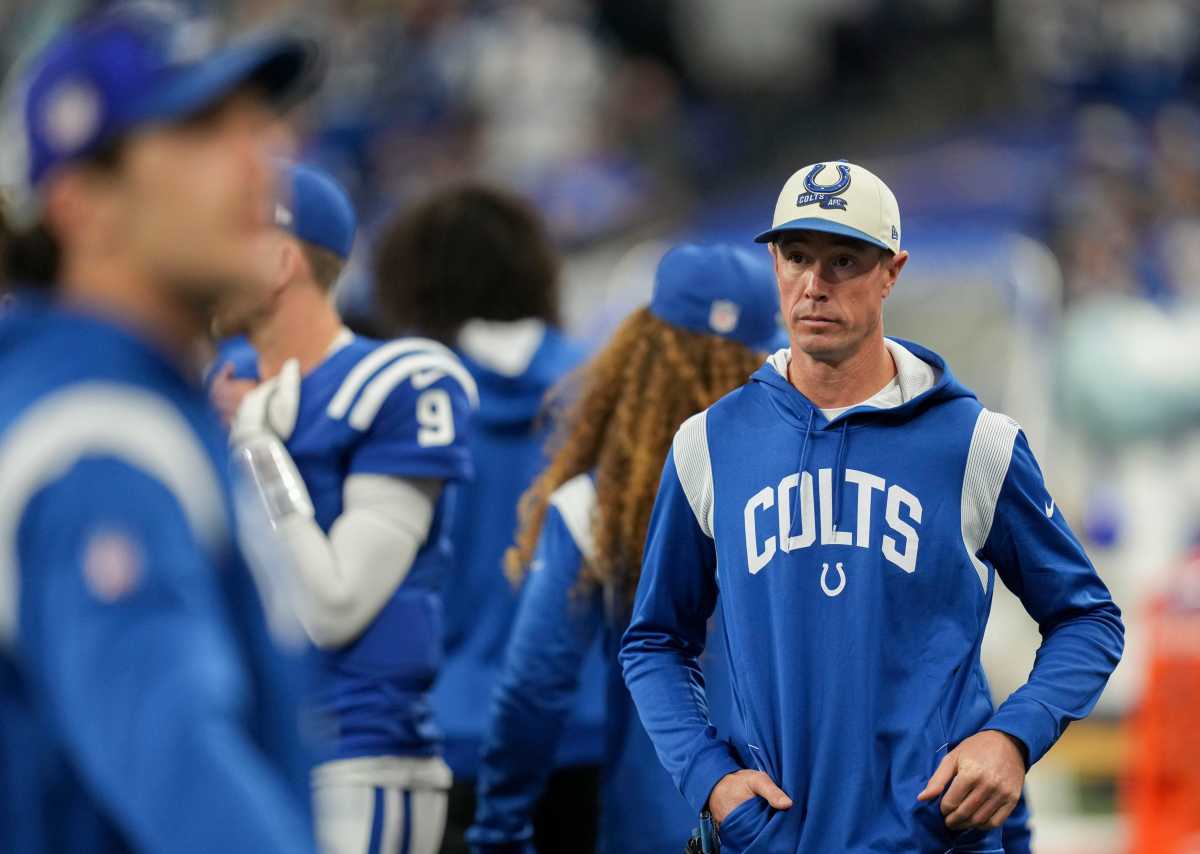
(885, 254)
(326, 266)
(469, 251)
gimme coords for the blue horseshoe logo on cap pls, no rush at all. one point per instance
(837, 187)
(825, 194)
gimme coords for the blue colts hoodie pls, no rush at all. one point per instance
(507, 441)
(855, 562)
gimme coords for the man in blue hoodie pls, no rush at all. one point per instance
(854, 504)
(472, 266)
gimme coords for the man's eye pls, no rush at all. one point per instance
(843, 261)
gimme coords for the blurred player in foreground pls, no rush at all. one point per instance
(143, 705)
(355, 446)
(712, 314)
(474, 268)
(853, 504)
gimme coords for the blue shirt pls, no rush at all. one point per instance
(557, 623)
(144, 703)
(396, 408)
(856, 562)
(507, 441)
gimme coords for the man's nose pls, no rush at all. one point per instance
(812, 286)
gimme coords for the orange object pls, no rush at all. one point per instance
(1162, 791)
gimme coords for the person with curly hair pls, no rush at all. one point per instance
(579, 548)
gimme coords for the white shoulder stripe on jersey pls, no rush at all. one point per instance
(575, 500)
(372, 362)
(694, 467)
(101, 419)
(377, 390)
(987, 466)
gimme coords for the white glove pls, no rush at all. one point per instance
(265, 420)
(270, 408)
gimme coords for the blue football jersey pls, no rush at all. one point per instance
(397, 408)
(143, 703)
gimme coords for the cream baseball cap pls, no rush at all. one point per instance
(839, 198)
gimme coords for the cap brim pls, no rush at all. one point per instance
(283, 68)
(818, 224)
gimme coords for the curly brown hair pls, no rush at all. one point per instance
(625, 405)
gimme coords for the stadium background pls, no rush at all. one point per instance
(1046, 154)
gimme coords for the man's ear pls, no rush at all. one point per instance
(79, 212)
(289, 264)
(893, 267)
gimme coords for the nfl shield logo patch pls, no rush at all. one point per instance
(723, 316)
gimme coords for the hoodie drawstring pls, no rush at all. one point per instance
(839, 475)
(805, 446)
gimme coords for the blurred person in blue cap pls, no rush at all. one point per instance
(356, 447)
(148, 697)
(851, 509)
(712, 318)
(474, 267)
(316, 213)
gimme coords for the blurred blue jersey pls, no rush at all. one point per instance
(143, 703)
(641, 810)
(392, 408)
(507, 442)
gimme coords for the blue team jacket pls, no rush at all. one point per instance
(144, 703)
(557, 623)
(507, 443)
(855, 562)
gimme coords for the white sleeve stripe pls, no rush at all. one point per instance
(377, 390)
(694, 468)
(372, 362)
(987, 465)
(575, 501)
(102, 419)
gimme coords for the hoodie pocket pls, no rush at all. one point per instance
(979, 842)
(744, 824)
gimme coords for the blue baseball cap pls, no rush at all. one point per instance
(720, 290)
(315, 208)
(132, 65)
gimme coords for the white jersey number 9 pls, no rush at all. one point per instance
(436, 419)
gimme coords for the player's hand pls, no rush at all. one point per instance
(739, 787)
(271, 407)
(988, 770)
(226, 393)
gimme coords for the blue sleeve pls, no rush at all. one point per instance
(534, 693)
(236, 351)
(126, 638)
(659, 653)
(419, 433)
(1040, 561)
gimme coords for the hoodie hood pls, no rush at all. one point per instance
(514, 365)
(924, 381)
(923, 375)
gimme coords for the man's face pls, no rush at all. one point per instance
(193, 200)
(831, 291)
(239, 311)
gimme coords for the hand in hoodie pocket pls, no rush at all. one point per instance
(742, 826)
